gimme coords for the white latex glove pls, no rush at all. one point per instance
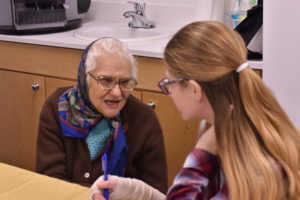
(124, 189)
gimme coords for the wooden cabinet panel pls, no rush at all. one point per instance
(137, 94)
(150, 71)
(179, 135)
(39, 59)
(20, 107)
(63, 62)
(53, 83)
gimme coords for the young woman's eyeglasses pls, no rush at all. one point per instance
(164, 84)
(108, 83)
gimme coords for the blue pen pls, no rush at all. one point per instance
(104, 169)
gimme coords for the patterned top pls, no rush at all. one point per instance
(200, 178)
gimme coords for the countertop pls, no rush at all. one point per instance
(66, 39)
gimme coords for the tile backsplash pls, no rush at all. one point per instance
(163, 12)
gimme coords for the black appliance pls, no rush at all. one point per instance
(41, 16)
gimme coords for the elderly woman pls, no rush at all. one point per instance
(98, 116)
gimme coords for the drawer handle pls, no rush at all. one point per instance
(151, 104)
(35, 86)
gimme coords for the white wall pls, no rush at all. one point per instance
(281, 46)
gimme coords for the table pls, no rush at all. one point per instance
(20, 184)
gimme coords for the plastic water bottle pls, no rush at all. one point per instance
(235, 15)
(245, 5)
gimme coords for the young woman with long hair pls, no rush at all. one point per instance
(251, 150)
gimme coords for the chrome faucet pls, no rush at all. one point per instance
(139, 19)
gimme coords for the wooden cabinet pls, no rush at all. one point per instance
(22, 96)
(179, 135)
(22, 65)
(53, 83)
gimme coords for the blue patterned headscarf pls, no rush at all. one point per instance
(78, 116)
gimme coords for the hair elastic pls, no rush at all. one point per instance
(242, 67)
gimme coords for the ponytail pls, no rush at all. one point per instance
(279, 137)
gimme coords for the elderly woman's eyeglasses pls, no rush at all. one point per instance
(165, 83)
(108, 83)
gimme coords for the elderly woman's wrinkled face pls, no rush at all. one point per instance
(109, 102)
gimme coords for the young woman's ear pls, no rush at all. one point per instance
(197, 90)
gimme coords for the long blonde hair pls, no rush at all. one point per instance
(257, 143)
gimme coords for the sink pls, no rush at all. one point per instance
(91, 31)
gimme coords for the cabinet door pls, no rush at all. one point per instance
(20, 105)
(179, 135)
(137, 94)
(53, 83)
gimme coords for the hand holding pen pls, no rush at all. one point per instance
(105, 177)
(97, 189)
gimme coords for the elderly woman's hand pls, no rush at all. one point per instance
(207, 140)
(98, 186)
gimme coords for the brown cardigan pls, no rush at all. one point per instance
(68, 158)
